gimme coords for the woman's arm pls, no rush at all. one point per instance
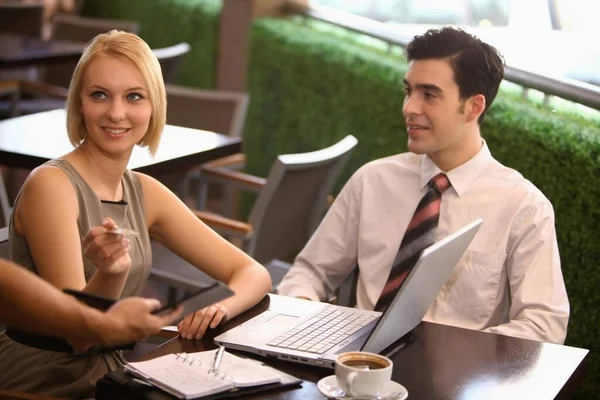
(46, 215)
(29, 303)
(172, 223)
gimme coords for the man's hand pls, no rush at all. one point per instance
(128, 320)
(195, 325)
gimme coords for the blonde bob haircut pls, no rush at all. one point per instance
(127, 47)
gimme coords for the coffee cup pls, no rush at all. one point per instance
(363, 374)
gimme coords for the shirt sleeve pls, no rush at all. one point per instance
(539, 307)
(331, 253)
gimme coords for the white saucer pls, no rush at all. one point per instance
(330, 389)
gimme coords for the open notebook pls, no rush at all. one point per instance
(187, 375)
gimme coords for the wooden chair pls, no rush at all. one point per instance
(211, 110)
(290, 205)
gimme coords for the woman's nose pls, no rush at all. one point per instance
(116, 111)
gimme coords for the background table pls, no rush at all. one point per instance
(31, 140)
(21, 51)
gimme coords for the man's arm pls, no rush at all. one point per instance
(29, 303)
(331, 253)
(539, 305)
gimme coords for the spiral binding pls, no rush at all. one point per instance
(188, 359)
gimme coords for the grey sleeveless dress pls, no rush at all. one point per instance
(64, 375)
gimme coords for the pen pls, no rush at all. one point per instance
(218, 357)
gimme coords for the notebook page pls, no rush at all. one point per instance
(181, 378)
(245, 372)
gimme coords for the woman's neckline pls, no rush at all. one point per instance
(123, 199)
(120, 202)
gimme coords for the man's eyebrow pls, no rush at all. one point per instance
(425, 86)
(429, 86)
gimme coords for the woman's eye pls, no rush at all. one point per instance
(134, 96)
(98, 95)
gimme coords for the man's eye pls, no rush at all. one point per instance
(98, 95)
(407, 90)
(429, 95)
(134, 96)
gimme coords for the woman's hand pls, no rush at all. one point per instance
(194, 326)
(109, 252)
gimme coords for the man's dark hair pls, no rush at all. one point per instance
(478, 67)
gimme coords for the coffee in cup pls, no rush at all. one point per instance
(363, 374)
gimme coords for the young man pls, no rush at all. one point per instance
(32, 304)
(509, 281)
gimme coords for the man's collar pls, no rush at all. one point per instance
(460, 177)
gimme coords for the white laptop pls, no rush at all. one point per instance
(311, 332)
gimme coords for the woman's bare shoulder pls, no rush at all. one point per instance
(47, 178)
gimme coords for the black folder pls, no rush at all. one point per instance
(119, 385)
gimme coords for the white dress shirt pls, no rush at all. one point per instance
(509, 281)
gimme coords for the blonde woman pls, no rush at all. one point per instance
(67, 208)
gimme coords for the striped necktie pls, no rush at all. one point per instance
(419, 235)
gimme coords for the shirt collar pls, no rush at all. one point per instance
(460, 177)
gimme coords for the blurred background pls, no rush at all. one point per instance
(548, 37)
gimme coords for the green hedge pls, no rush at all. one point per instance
(168, 22)
(309, 89)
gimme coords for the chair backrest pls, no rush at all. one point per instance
(346, 293)
(4, 243)
(4, 253)
(80, 29)
(4, 205)
(210, 110)
(22, 18)
(291, 205)
(170, 59)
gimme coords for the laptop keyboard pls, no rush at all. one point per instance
(323, 331)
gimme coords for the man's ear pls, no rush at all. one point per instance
(475, 107)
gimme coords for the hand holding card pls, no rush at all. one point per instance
(122, 231)
(107, 252)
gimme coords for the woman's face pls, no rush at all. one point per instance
(115, 105)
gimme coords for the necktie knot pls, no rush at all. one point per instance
(440, 182)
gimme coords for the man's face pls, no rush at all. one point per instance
(436, 119)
